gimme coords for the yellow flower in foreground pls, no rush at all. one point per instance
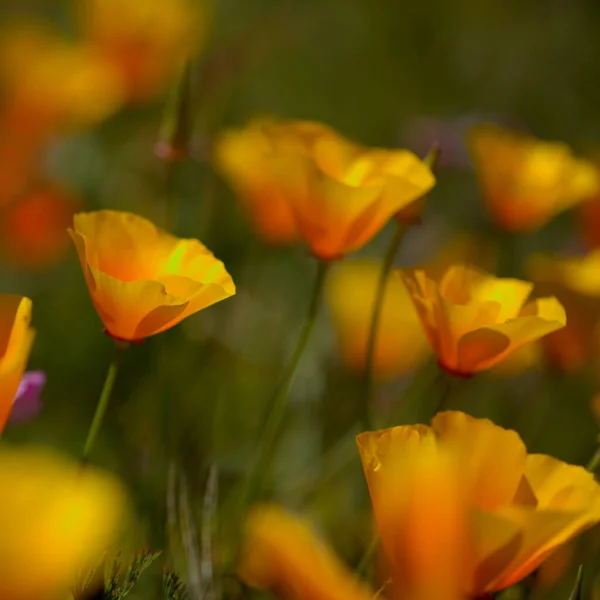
(340, 194)
(527, 182)
(56, 520)
(401, 343)
(16, 338)
(143, 280)
(575, 282)
(474, 320)
(280, 554)
(520, 507)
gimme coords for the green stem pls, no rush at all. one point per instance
(388, 263)
(102, 405)
(278, 405)
(594, 463)
(367, 557)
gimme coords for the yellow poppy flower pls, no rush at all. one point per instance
(56, 521)
(143, 280)
(474, 320)
(520, 507)
(401, 343)
(280, 553)
(16, 339)
(527, 182)
(340, 194)
(574, 281)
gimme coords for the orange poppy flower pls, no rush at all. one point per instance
(145, 40)
(143, 280)
(520, 507)
(574, 281)
(474, 320)
(16, 339)
(280, 553)
(401, 343)
(340, 194)
(57, 521)
(34, 228)
(527, 182)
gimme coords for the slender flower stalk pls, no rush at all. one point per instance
(277, 409)
(105, 395)
(388, 263)
(173, 144)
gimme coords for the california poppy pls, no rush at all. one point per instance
(143, 280)
(474, 320)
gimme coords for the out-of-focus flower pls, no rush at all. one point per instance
(34, 227)
(576, 283)
(143, 280)
(520, 507)
(401, 344)
(280, 553)
(51, 83)
(473, 320)
(527, 182)
(16, 338)
(56, 520)
(27, 403)
(340, 194)
(145, 40)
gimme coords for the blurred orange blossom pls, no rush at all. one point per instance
(339, 194)
(526, 182)
(401, 344)
(474, 320)
(520, 507)
(575, 282)
(34, 227)
(146, 41)
(33, 60)
(143, 280)
(16, 339)
(281, 554)
(57, 520)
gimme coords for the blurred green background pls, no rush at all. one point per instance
(382, 72)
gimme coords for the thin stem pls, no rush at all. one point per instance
(278, 405)
(594, 462)
(102, 405)
(386, 268)
(367, 557)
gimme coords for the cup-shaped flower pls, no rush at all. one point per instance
(474, 320)
(575, 282)
(280, 553)
(143, 280)
(16, 338)
(527, 182)
(520, 507)
(57, 520)
(401, 345)
(340, 194)
(246, 158)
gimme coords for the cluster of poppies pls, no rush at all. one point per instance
(461, 508)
